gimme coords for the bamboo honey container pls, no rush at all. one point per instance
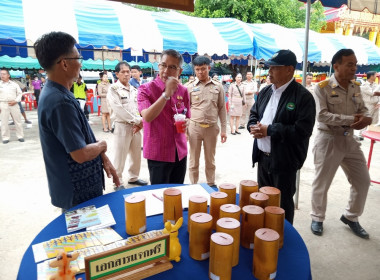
(246, 188)
(230, 211)
(258, 199)
(230, 190)
(252, 219)
(221, 248)
(265, 254)
(217, 200)
(232, 227)
(197, 204)
(199, 236)
(135, 214)
(172, 205)
(275, 219)
(274, 195)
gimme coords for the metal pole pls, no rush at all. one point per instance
(304, 68)
(103, 58)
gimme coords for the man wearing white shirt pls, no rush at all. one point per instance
(281, 122)
(370, 91)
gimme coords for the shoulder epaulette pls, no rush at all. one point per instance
(357, 83)
(323, 83)
(114, 86)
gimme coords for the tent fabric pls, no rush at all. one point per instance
(100, 23)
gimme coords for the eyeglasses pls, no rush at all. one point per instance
(80, 59)
(163, 66)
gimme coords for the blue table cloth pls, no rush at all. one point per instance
(293, 261)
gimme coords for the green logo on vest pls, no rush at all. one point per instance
(290, 106)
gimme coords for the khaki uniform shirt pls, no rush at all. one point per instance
(250, 88)
(123, 102)
(336, 106)
(367, 90)
(10, 91)
(207, 103)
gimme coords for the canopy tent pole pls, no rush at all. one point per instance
(103, 58)
(254, 77)
(304, 68)
(330, 70)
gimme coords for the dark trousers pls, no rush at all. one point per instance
(162, 172)
(37, 94)
(284, 181)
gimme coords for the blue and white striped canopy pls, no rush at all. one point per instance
(100, 23)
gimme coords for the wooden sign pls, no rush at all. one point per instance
(135, 261)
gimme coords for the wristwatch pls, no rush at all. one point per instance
(164, 96)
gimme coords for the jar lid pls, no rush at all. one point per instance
(222, 238)
(269, 190)
(172, 191)
(253, 209)
(267, 234)
(230, 208)
(248, 183)
(198, 199)
(274, 210)
(227, 186)
(134, 198)
(229, 223)
(259, 196)
(218, 195)
(201, 218)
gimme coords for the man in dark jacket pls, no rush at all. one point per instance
(281, 121)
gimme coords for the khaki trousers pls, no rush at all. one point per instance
(330, 152)
(249, 101)
(374, 112)
(126, 143)
(14, 111)
(209, 137)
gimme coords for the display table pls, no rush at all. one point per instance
(374, 136)
(293, 262)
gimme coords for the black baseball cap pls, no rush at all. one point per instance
(282, 58)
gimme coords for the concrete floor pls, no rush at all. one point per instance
(25, 206)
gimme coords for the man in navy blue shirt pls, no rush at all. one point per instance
(74, 159)
(136, 76)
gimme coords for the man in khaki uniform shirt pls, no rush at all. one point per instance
(340, 110)
(370, 93)
(250, 89)
(122, 98)
(207, 104)
(10, 95)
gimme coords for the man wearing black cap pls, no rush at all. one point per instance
(281, 121)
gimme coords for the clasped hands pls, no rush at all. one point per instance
(258, 130)
(360, 121)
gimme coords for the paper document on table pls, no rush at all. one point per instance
(106, 218)
(154, 198)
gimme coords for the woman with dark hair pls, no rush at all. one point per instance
(236, 99)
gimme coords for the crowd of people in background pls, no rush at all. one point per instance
(278, 112)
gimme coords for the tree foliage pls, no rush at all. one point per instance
(287, 13)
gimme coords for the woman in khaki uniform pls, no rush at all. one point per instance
(102, 91)
(236, 99)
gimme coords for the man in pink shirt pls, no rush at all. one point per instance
(158, 102)
(37, 88)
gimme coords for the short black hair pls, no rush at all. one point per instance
(101, 74)
(309, 74)
(136, 67)
(117, 67)
(213, 75)
(51, 46)
(4, 69)
(337, 58)
(201, 60)
(173, 53)
(370, 74)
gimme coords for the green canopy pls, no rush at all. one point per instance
(17, 62)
